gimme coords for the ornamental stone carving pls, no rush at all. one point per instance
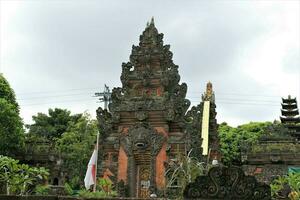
(150, 99)
(142, 137)
(141, 115)
(105, 122)
(227, 183)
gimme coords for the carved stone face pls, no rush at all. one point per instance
(140, 138)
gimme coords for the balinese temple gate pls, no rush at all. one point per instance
(147, 123)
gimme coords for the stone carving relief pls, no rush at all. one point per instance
(142, 137)
(150, 85)
(193, 120)
(141, 115)
(227, 183)
(104, 122)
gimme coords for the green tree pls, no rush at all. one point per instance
(7, 93)
(11, 125)
(53, 125)
(233, 139)
(75, 147)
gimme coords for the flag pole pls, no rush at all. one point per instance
(96, 164)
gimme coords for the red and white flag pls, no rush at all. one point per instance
(90, 176)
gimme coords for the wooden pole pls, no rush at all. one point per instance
(96, 164)
(208, 157)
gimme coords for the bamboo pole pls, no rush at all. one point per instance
(96, 164)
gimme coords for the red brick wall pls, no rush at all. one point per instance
(160, 168)
(160, 159)
(123, 162)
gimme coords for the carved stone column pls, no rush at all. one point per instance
(153, 174)
(131, 175)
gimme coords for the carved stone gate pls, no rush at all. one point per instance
(141, 145)
(145, 124)
(229, 183)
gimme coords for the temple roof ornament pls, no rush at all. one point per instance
(209, 95)
(151, 79)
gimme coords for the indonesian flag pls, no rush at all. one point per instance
(90, 175)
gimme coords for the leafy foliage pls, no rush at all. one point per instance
(7, 93)
(292, 181)
(182, 171)
(18, 178)
(68, 189)
(87, 194)
(11, 125)
(53, 125)
(232, 140)
(104, 189)
(42, 190)
(71, 137)
(106, 185)
(75, 146)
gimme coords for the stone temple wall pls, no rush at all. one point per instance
(14, 197)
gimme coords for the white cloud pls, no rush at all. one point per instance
(265, 59)
(244, 47)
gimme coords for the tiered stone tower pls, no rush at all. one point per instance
(290, 116)
(144, 127)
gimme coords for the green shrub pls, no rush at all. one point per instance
(87, 194)
(292, 180)
(42, 190)
(20, 178)
(68, 189)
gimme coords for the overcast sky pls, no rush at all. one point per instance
(59, 53)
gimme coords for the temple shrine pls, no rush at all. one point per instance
(278, 151)
(148, 122)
